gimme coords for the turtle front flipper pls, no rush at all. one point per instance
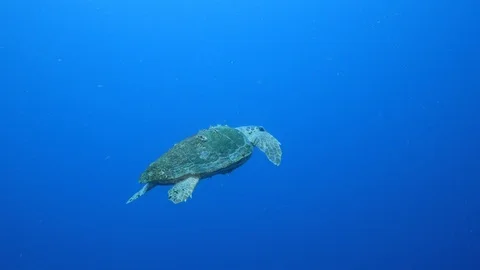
(141, 192)
(183, 190)
(268, 144)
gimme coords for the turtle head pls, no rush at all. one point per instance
(268, 144)
(249, 130)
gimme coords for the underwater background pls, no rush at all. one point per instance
(376, 104)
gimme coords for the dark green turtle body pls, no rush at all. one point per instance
(217, 150)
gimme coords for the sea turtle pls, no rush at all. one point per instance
(217, 150)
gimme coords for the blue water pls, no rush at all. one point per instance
(376, 104)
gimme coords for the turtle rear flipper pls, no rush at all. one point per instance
(183, 190)
(147, 187)
(268, 144)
